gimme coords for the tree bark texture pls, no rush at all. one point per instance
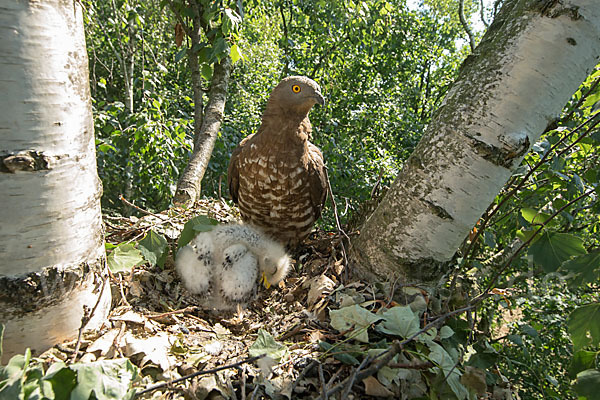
(51, 243)
(188, 187)
(529, 63)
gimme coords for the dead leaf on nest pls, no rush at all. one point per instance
(474, 378)
(320, 286)
(104, 343)
(154, 349)
(374, 388)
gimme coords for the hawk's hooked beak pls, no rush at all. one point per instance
(320, 99)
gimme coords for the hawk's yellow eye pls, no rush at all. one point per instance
(296, 89)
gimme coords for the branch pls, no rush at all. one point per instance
(465, 24)
(198, 373)
(492, 283)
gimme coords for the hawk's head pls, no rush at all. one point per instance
(296, 94)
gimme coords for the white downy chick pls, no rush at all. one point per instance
(225, 266)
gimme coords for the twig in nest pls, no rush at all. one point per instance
(305, 371)
(87, 316)
(254, 392)
(323, 384)
(198, 373)
(130, 204)
(338, 225)
(352, 378)
(168, 313)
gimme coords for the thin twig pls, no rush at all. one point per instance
(198, 373)
(87, 316)
(305, 371)
(337, 223)
(130, 204)
(323, 384)
(352, 379)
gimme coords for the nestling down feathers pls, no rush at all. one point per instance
(226, 265)
(277, 176)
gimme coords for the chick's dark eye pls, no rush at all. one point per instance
(296, 89)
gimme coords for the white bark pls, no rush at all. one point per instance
(51, 242)
(533, 57)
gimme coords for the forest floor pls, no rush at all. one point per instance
(157, 324)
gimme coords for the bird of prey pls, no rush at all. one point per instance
(276, 175)
(226, 265)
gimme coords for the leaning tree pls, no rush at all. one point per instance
(528, 64)
(51, 242)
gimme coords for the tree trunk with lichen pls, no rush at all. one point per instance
(51, 232)
(529, 63)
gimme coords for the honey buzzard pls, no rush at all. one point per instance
(276, 176)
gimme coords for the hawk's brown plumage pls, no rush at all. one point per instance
(276, 175)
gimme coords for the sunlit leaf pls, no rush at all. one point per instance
(124, 257)
(266, 344)
(581, 361)
(105, 380)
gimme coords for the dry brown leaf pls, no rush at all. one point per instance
(374, 388)
(320, 286)
(104, 343)
(178, 34)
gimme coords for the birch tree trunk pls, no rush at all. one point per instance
(529, 63)
(51, 243)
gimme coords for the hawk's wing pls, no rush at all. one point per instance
(233, 173)
(317, 177)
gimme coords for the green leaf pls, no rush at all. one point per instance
(180, 54)
(400, 321)
(586, 267)
(266, 344)
(198, 224)
(551, 249)
(235, 53)
(106, 380)
(154, 248)
(584, 326)
(587, 384)
(12, 376)
(206, 71)
(353, 321)
(62, 380)
(536, 218)
(124, 257)
(581, 361)
(339, 353)
(447, 366)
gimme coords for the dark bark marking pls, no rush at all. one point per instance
(26, 161)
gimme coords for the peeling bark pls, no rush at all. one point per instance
(529, 63)
(51, 233)
(188, 187)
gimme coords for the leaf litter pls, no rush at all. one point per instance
(315, 317)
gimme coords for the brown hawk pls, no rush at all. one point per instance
(276, 176)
